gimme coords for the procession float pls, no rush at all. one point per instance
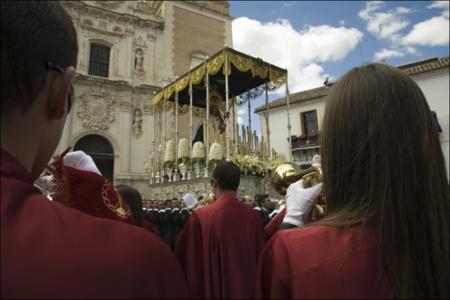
(214, 90)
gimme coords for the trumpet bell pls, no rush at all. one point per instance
(285, 174)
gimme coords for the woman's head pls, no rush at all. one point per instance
(133, 198)
(378, 142)
(382, 162)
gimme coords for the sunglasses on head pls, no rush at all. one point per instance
(54, 67)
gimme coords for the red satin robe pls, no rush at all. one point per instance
(219, 247)
(52, 251)
(322, 262)
(275, 224)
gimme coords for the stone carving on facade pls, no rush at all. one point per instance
(139, 60)
(110, 4)
(139, 42)
(102, 24)
(137, 122)
(96, 109)
(148, 109)
(125, 105)
(88, 22)
(117, 29)
(143, 6)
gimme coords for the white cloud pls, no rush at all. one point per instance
(298, 51)
(390, 25)
(387, 53)
(440, 4)
(342, 22)
(431, 32)
(384, 25)
(241, 112)
(288, 3)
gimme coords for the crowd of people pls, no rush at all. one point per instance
(385, 234)
(168, 218)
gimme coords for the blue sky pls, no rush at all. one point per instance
(319, 39)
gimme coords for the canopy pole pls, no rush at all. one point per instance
(227, 115)
(207, 119)
(267, 123)
(190, 124)
(153, 156)
(288, 118)
(233, 102)
(159, 158)
(249, 108)
(190, 117)
(176, 132)
(164, 123)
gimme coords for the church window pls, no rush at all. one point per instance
(309, 123)
(99, 60)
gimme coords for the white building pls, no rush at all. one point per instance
(307, 109)
(128, 50)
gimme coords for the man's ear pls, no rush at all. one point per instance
(58, 93)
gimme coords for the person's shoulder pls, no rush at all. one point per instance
(104, 231)
(319, 235)
(304, 234)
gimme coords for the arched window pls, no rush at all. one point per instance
(99, 60)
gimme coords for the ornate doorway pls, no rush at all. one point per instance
(101, 151)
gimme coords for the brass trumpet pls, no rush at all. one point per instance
(287, 173)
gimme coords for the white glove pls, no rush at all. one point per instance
(190, 200)
(299, 202)
(81, 161)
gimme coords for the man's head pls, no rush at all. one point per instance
(263, 201)
(160, 204)
(38, 60)
(225, 178)
(175, 203)
(168, 203)
(248, 200)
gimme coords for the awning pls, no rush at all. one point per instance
(244, 73)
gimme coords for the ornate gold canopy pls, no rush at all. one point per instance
(244, 73)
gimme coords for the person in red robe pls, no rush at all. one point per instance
(386, 230)
(218, 249)
(49, 250)
(275, 224)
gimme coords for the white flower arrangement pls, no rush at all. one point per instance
(183, 149)
(216, 152)
(198, 151)
(252, 165)
(169, 155)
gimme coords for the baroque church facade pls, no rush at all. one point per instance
(128, 51)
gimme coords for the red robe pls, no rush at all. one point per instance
(52, 251)
(218, 249)
(322, 263)
(275, 224)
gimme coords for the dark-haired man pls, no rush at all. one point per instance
(49, 250)
(264, 207)
(219, 247)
